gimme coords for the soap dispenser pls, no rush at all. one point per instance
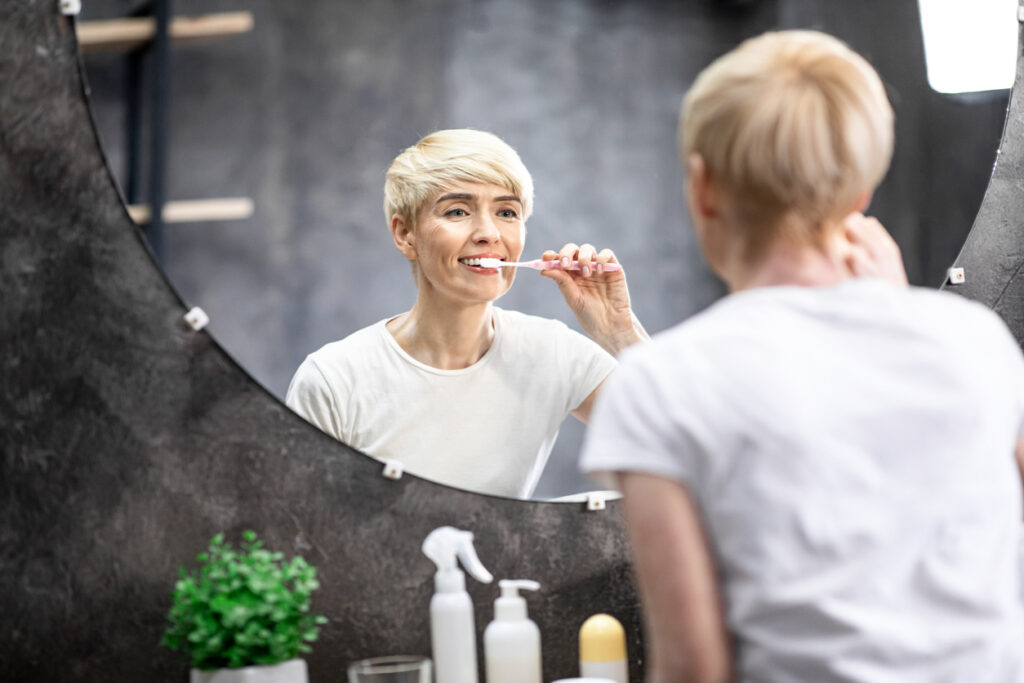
(452, 630)
(512, 641)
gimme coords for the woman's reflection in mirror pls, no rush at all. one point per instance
(457, 389)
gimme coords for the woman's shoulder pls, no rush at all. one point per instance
(525, 338)
(510, 321)
(537, 335)
(351, 348)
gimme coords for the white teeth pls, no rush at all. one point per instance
(475, 261)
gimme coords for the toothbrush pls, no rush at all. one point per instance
(538, 264)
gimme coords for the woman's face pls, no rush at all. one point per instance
(464, 222)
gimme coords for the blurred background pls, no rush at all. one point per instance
(303, 113)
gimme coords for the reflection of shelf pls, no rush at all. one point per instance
(197, 210)
(121, 35)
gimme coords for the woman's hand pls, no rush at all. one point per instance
(872, 252)
(598, 299)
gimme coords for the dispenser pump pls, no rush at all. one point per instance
(511, 606)
(443, 545)
(512, 641)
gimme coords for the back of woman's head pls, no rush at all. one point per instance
(449, 156)
(794, 125)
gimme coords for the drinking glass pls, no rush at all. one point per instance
(394, 669)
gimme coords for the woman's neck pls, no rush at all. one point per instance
(802, 265)
(445, 337)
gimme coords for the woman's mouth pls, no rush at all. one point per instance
(474, 265)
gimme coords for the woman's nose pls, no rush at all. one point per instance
(485, 230)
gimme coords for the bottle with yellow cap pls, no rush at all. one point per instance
(603, 649)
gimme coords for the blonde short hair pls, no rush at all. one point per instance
(447, 156)
(793, 124)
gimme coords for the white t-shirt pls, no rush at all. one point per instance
(489, 427)
(850, 449)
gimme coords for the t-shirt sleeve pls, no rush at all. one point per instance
(310, 395)
(588, 363)
(1017, 361)
(1010, 349)
(643, 423)
(1020, 395)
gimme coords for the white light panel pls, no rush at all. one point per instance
(969, 45)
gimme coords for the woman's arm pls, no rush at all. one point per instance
(582, 411)
(1018, 453)
(599, 300)
(686, 635)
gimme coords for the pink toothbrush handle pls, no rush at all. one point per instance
(575, 265)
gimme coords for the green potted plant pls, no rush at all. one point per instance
(243, 615)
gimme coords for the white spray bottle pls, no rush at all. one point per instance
(452, 630)
(512, 641)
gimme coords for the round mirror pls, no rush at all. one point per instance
(304, 113)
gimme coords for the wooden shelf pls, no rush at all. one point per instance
(124, 35)
(197, 210)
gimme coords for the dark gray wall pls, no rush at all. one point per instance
(305, 114)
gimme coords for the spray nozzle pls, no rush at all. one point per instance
(443, 545)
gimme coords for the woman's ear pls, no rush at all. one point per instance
(403, 235)
(862, 202)
(699, 189)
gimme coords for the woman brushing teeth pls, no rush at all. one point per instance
(456, 388)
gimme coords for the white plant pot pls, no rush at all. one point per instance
(292, 671)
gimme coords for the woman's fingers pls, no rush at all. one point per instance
(873, 251)
(561, 277)
(585, 256)
(859, 262)
(591, 260)
(567, 254)
(604, 257)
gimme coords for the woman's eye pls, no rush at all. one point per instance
(456, 213)
(508, 213)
